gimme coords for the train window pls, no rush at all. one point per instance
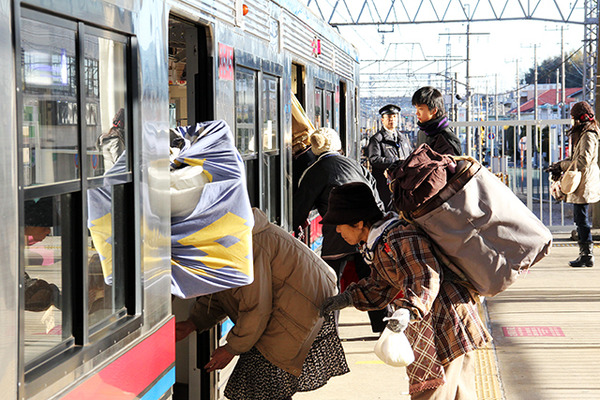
(270, 137)
(245, 111)
(318, 108)
(75, 283)
(328, 110)
(48, 311)
(49, 74)
(270, 115)
(246, 128)
(105, 89)
(105, 112)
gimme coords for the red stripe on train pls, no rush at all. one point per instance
(132, 372)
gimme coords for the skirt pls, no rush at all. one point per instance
(255, 378)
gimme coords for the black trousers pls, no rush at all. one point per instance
(362, 270)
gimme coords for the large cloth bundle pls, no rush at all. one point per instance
(211, 239)
(482, 227)
(302, 128)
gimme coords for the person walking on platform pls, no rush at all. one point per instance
(438, 315)
(584, 135)
(330, 170)
(386, 146)
(283, 343)
(433, 122)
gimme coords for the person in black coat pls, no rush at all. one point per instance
(387, 146)
(433, 123)
(332, 169)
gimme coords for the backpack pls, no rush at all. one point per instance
(480, 225)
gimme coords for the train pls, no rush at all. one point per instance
(90, 92)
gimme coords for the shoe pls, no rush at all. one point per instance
(586, 256)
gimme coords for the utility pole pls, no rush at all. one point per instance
(535, 83)
(563, 100)
(468, 113)
(469, 137)
(517, 130)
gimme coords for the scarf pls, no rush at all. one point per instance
(434, 126)
(375, 233)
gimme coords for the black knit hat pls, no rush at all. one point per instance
(582, 111)
(351, 203)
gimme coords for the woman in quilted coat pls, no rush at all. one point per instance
(284, 346)
(585, 137)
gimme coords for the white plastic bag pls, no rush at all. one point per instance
(393, 349)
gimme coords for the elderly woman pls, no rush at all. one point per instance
(330, 170)
(283, 343)
(440, 316)
(584, 157)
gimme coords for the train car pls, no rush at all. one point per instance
(90, 92)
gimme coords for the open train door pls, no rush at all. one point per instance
(191, 100)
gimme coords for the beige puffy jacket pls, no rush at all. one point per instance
(586, 155)
(279, 312)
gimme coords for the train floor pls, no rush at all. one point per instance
(546, 330)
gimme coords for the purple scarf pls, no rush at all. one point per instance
(434, 126)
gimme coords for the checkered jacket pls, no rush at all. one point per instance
(445, 324)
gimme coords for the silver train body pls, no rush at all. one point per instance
(72, 71)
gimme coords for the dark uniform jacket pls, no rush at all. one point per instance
(382, 151)
(330, 170)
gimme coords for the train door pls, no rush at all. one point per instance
(302, 157)
(343, 129)
(190, 74)
(191, 100)
(298, 83)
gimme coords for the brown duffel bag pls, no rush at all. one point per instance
(483, 228)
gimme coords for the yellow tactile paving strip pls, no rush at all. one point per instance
(487, 381)
(487, 378)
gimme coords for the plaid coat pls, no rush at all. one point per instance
(446, 322)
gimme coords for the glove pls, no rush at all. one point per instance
(399, 320)
(337, 302)
(555, 170)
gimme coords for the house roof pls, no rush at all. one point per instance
(548, 97)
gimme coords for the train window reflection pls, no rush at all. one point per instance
(105, 283)
(47, 314)
(318, 108)
(245, 111)
(328, 119)
(105, 91)
(50, 106)
(270, 114)
(271, 159)
(68, 164)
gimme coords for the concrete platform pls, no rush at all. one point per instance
(546, 329)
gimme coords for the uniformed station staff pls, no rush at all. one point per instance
(386, 146)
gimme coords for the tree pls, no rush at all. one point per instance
(547, 70)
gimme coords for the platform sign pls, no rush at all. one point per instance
(225, 62)
(532, 331)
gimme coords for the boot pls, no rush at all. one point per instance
(586, 256)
